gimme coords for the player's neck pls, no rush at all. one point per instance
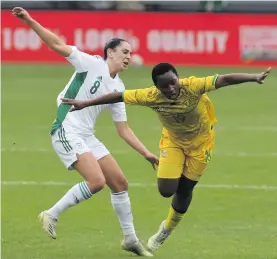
(112, 71)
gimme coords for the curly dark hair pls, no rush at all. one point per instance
(161, 69)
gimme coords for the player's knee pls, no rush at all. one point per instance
(166, 193)
(167, 187)
(120, 184)
(96, 185)
(101, 182)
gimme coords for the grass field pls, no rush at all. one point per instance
(233, 214)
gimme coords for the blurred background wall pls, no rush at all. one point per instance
(186, 33)
(165, 6)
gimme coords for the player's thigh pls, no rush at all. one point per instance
(171, 163)
(115, 178)
(88, 167)
(197, 161)
(171, 166)
(75, 154)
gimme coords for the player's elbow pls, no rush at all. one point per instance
(221, 81)
(55, 45)
(61, 48)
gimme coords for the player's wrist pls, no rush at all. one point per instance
(256, 78)
(145, 153)
(29, 21)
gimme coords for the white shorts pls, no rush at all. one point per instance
(68, 145)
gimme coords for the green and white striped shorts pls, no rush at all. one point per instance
(68, 145)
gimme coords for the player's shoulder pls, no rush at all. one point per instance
(151, 92)
(148, 92)
(186, 81)
(98, 58)
(150, 89)
(77, 51)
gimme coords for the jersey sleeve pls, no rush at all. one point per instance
(137, 96)
(202, 85)
(81, 61)
(118, 112)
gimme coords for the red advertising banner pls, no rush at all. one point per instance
(191, 39)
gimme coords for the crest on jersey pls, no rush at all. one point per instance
(164, 153)
(208, 156)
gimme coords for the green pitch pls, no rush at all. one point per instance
(223, 221)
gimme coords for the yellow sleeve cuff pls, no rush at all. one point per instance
(214, 80)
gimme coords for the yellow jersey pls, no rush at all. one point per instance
(188, 116)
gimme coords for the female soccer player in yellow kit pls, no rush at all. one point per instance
(187, 140)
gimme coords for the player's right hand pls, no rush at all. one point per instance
(21, 13)
(77, 104)
(152, 159)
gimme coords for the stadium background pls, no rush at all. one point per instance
(233, 214)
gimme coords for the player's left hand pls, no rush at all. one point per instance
(77, 104)
(261, 77)
(152, 159)
(22, 14)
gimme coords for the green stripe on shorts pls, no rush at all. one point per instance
(65, 140)
(62, 141)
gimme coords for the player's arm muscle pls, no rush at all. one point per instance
(239, 78)
(128, 135)
(232, 79)
(50, 39)
(106, 99)
(132, 140)
(130, 97)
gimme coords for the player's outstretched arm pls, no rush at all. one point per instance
(105, 99)
(239, 78)
(50, 39)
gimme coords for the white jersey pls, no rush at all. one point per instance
(90, 80)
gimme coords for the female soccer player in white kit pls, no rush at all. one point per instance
(72, 134)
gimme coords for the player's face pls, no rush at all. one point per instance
(121, 56)
(168, 85)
